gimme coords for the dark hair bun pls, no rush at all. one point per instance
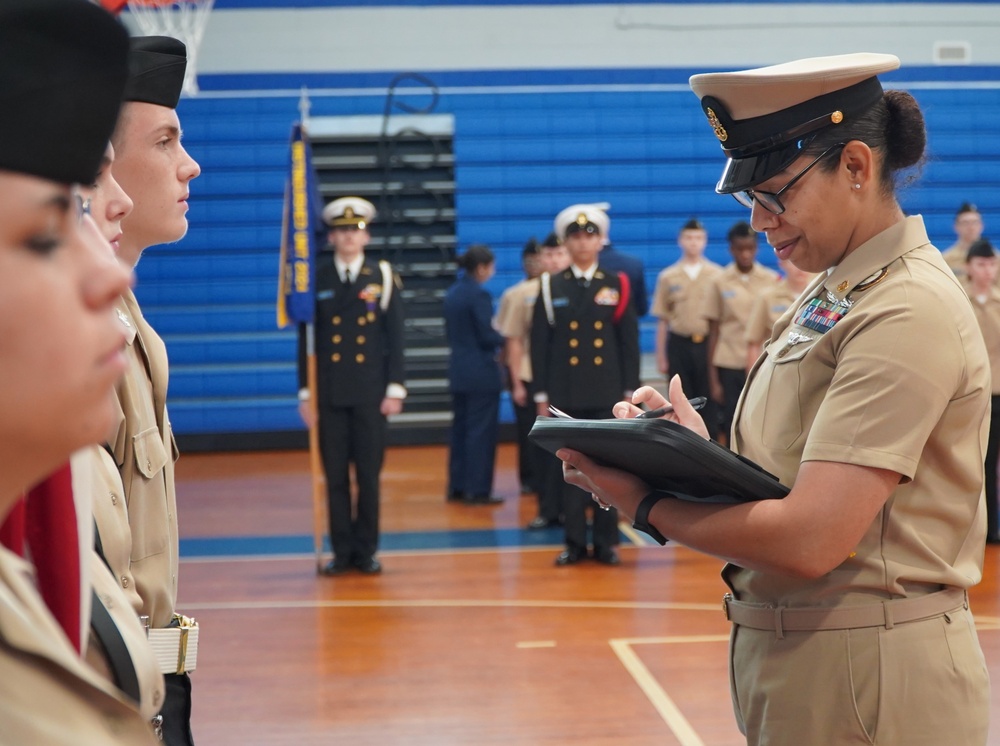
(906, 136)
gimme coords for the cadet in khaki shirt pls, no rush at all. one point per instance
(769, 307)
(727, 307)
(60, 356)
(981, 273)
(968, 230)
(155, 171)
(849, 603)
(678, 302)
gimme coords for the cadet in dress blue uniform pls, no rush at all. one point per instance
(473, 379)
(584, 356)
(359, 366)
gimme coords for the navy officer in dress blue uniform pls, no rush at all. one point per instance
(473, 379)
(359, 366)
(584, 357)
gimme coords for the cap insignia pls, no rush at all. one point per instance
(837, 117)
(717, 127)
(349, 213)
(581, 219)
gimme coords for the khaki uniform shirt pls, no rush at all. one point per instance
(679, 300)
(767, 309)
(111, 519)
(144, 451)
(729, 301)
(517, 305)
(48, 694)
(987, 313)
(955, 256)
(889, 372)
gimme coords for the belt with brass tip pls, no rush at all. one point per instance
(176, 646)
(781, 619)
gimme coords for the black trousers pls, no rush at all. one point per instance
(176, 710)
(352, 435)
(576, 503)
(992, 454)
(550, 488)
(689, 360)
(732, 381)
(527, 452)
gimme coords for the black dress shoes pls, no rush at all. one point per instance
(568, 557)
(607, 557)
(538, 523)
(456, 496)
(483, 499)
(368, 566)
(336, 567)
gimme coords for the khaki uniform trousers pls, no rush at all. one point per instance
(868, 685)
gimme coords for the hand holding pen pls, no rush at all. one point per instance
(697, 403)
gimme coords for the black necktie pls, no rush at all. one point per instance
(348, 282)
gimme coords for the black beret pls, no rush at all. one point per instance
(693, 225)
(62, 71)
(966, 207)
(156, 66)
(980, 248)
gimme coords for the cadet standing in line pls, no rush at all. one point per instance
(981, 274)
(613, 260)
(968, 229)
(727, 307)
(359, 373)
(769, 307)
(60, 357)
(584, 356)
(156, 172)
(555, 259)
(513, 320)
(849, 597)
(473, 379)
(682, 330)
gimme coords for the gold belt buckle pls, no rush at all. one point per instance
(697, 338)
(725, 604)
(185, 624)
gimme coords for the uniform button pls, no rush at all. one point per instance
(114, 498)
(574, 325)
(359, 357)
(598, 325)
(574, 360)
(335, 321)
(361, 339)
(574, 343)
(598, 360)
(336, 339)
(149, 465)
(335, 357)
(124, 582)
(361, 321)
(598, 343)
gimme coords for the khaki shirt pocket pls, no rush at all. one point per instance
(781, 424)
(147, 504)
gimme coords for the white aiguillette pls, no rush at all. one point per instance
(665, 455)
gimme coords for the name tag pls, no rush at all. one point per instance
(324, 295)
(560, 302)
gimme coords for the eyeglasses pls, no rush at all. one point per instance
(770, 200)
(82, 204)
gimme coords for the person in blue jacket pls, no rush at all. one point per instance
(473, 379)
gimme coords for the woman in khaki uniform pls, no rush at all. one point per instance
(60, 355)
(849, 603)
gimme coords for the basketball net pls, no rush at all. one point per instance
(182, 19)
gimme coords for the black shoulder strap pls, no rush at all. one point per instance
(119, 659)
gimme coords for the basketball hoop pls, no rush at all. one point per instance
(182, 19)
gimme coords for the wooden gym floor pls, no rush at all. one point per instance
(470, 636)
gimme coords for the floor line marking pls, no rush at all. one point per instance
(656, 694)
(437, 603)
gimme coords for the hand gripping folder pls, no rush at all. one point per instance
(666, 455)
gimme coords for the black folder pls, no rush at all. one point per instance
(666, 455)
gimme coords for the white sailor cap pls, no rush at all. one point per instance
(764, 118)
(590, 218)
(352, 211)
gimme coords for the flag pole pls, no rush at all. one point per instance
(320, 517)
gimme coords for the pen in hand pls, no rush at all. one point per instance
(697, 403)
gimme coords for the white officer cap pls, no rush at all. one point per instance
(590, 218)
(349, 211)
(765, 117)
